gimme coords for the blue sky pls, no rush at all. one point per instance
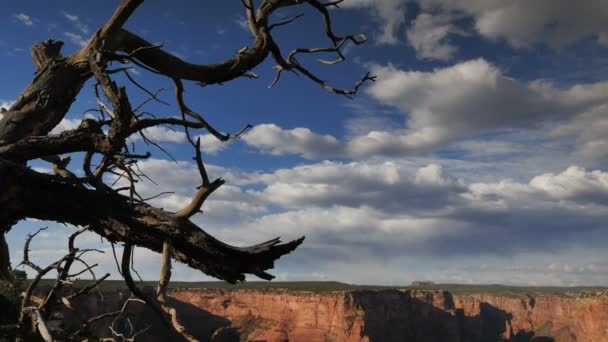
(478, 156)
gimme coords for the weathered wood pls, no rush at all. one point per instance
(31, 194)
(44, 102)
(87, 201)
(45, 52)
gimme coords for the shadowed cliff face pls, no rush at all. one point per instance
(365, 316)
(434, 316)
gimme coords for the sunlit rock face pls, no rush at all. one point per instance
(365, 316)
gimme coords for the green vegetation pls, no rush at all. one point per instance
(333, 286)
(9, 297)
(305, 286)
(504, 290)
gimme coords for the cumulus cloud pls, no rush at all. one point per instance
(385, 186)
(445, 105)
(66, 125)
(574, 188)
(75, 38)
(164, 134)
(557, 23)
(24, 19)
(156, 134)
(212, 145)
(178, 180)
(389, 13)
(6, 104)
(465, 99)
(51, 245)
(402, 216)
(388, 212)
(161, 134)
(428, 36)
(69, 124)
(391, 186)
(276, 140)
(589, 129)
(574, 184)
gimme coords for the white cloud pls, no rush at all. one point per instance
(432, 175)
(24, 19)
(574, 194)
(446, 105)
(396, 215)
(557, 23)
(42, 170)
(465, 99)
(390, 214)
(180, 177)
(75, 20)
(227, 204)
(212, 145)
(66, 125)
(574, 184)
(162, 134)
(209, 144)
(428, 36)
(589, 128)
(69, 124)
(389, 13)
(275, 140)
(403, 220)
(385, 186)
(5, 105)
(75, 38)
(45, 250)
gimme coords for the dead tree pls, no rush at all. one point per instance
(41, 313)
(121, 214)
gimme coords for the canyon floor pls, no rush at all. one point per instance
(331, 311)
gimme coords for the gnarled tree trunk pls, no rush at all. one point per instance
(120, 215)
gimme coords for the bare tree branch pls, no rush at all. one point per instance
(117, 212)
(116, 220)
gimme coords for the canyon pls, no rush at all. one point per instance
(364, 315)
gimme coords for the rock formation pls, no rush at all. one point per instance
(371, 316)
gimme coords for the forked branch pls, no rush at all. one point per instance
(117, 212)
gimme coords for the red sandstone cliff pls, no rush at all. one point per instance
(373, 316)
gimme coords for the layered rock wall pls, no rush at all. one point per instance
(371, 316)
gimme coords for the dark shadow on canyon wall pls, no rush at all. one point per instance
(404, 318)
(200, 323)
(388, 316)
